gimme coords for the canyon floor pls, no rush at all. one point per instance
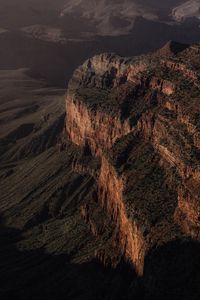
(102, 203)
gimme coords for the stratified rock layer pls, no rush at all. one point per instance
(140, 117)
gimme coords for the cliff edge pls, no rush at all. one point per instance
(140, 117)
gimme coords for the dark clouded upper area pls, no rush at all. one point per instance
(58, 35)
(108, 17)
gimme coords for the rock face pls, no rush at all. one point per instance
(140, 117)
(99, 131)
(129, 235)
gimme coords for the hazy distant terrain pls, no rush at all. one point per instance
(53, 37)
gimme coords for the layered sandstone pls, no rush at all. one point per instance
(97, 130)
(142, 121)
(129, 236)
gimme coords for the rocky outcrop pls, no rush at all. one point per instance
(129, 237)
(161, 85)
(133, 114)
(177, 66)
(97, 130)
(188, 210)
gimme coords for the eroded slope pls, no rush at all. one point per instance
(55, 239)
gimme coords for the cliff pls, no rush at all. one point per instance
(140, 117)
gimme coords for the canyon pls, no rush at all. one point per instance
(100, 187)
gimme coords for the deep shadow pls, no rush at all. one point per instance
(37, 275)
(173, 271)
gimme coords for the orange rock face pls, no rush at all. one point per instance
(135, 116)
(188, 210)
(98, 130)
(129, 237)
